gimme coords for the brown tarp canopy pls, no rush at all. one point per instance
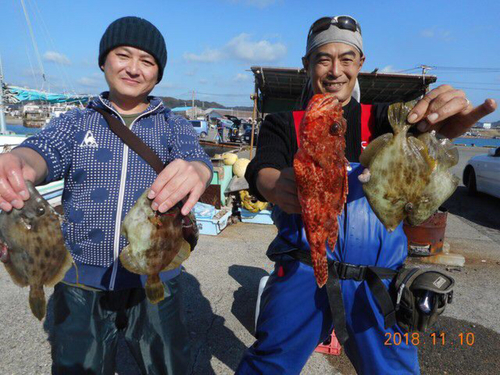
(279, 89)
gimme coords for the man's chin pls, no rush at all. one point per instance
(338, 94)
(129, 92)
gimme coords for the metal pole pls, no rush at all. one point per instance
(425, 68)
(192, 107)
(3, 126)
(254, 116)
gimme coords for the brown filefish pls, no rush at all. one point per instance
(409, 176)
(32, 247)
(157, 242)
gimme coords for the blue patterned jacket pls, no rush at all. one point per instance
(104, 178)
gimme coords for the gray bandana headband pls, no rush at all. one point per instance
(334, 35)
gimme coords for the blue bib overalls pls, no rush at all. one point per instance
(294, 313)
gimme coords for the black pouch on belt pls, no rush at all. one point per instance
(422, 295)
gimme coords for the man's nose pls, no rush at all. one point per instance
(133, 67)
(336, 69)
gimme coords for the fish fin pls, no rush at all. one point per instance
(129, 261)
(373, 148)
(423, 149)
(155, 291)
(37, 301)
(182, 255)
(442, 149)
(65, 266)
(16, 278)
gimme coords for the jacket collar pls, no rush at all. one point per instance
(155, 103)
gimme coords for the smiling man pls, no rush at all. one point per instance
(99, 298)
(295, 315)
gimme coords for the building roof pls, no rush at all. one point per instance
(181, 109)
(210, 110)
(280, 88)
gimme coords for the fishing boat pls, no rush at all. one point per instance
(35, 116)
(52, 192)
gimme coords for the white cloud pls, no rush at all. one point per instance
(240, 77)
(444, 35)
(56, 57)
(427, 33)
(209, 55)
(244, 49)
(387, 69)
(203, 81)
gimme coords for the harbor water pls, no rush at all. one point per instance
(19, 129)
(477, 142)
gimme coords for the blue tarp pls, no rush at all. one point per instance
(20, 94)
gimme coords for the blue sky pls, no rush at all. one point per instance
(212, 44)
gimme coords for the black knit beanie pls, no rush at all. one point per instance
(134, 32)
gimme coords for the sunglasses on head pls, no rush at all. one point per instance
(342, 22)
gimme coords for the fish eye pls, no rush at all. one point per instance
(40, 211)
(334, 128)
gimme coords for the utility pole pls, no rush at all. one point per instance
(3, 126)
(192, 107)
(254, 97)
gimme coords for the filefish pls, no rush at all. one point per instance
(157, 242)
(321, 174)
(32, 248)
(409, 176)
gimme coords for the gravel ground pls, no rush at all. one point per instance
(221, 282)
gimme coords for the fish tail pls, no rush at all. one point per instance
(155, 291)
(37, 301)
(397, 114)
(320, 267)
(320, 264)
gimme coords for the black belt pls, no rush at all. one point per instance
(345, 271)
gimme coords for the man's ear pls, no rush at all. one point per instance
(361, 61)
(305, 63)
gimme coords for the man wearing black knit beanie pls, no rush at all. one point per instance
(98, 298)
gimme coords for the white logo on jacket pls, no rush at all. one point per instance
(89, 140)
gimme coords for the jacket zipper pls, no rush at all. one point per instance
(121, 194)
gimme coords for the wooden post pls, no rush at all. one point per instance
(254, 116)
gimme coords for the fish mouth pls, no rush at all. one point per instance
(4, 252)
(26, 221)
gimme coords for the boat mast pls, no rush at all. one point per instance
(3, 127)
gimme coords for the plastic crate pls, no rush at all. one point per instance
(261, 217)
(212, 226)
(330, 346)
